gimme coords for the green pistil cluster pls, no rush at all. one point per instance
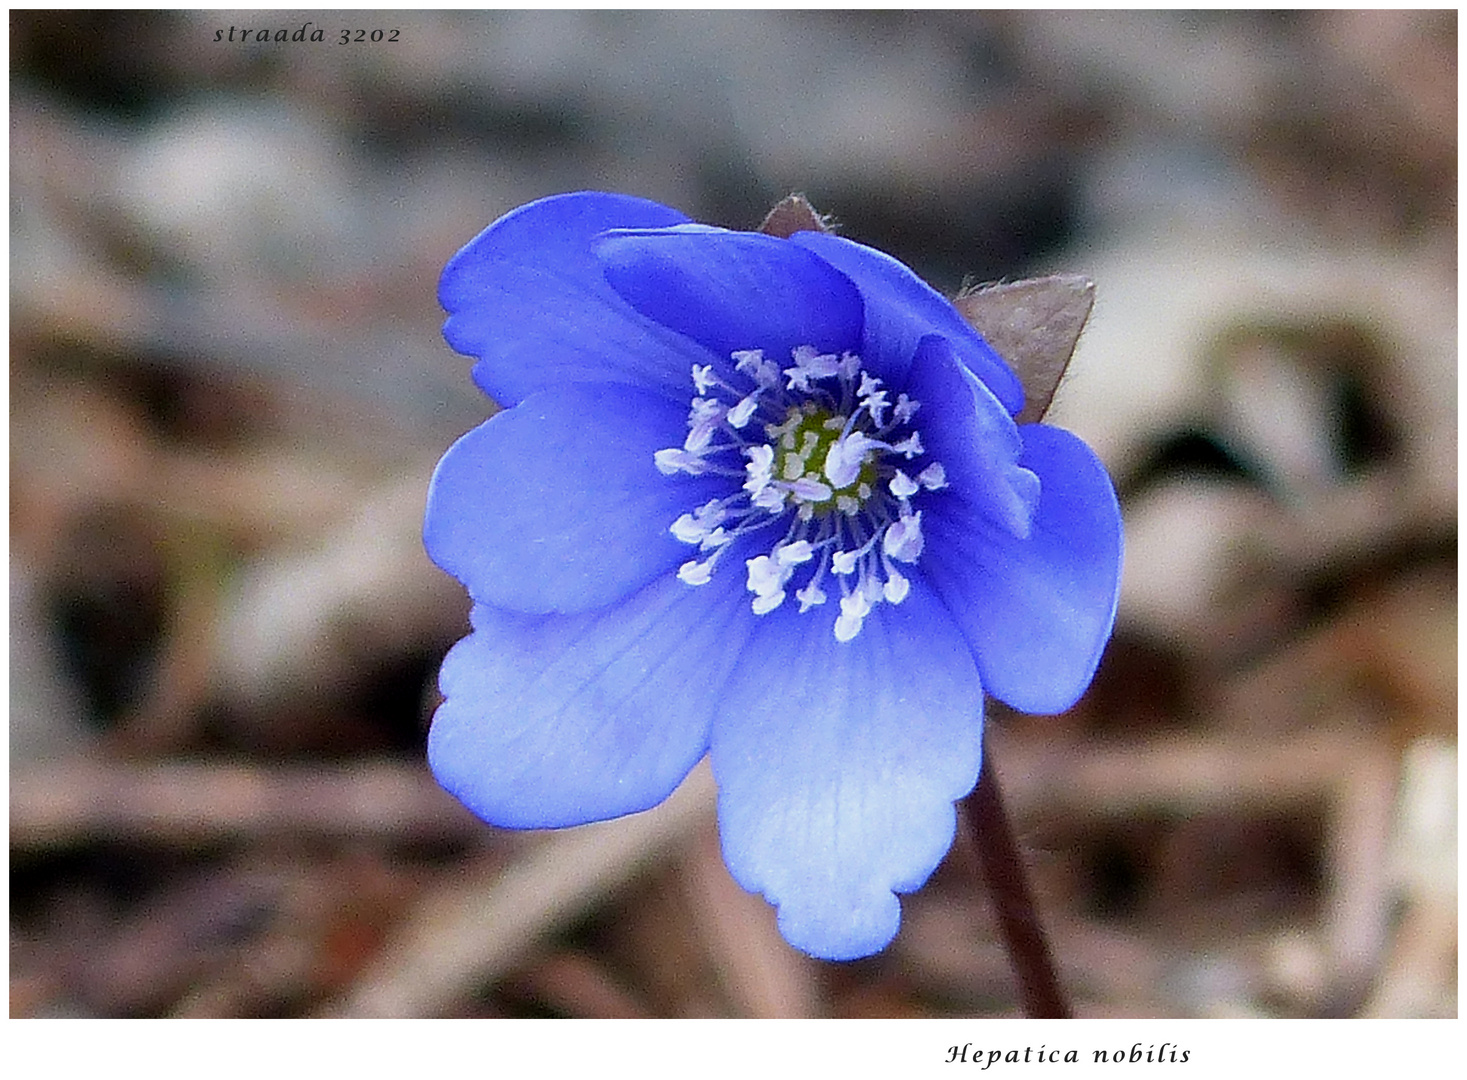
(803, 443)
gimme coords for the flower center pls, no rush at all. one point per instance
(819, 447)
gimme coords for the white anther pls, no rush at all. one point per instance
(896, 588)
(704, 409)
(824, 365)
(700, 435)
(703, 378)
(846, 456)
(903, 538)
(873, 399)
(909, 447)
(848, 505)
(766, 577)
(741, 413)
(810, 365)
(763, 605)
(689, 530)
(794, 467)
(853, 609)
(903, 486)
(676, 461)
(807, 489)
(844, 562)
(905, 409)
(934, 477)
(769, 498)
(695, 573)
(760, 468)
(793, 554)
(751, 362)
(877, 404)
(809, 597)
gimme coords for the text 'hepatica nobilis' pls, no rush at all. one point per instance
(759, 497)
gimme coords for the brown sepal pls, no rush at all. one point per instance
(1033, 325)
(793, 214)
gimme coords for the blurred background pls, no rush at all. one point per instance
(228, 389)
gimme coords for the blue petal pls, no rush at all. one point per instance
(1036, 612)
(733, 290)
(555, 720)
(528, 299)
(964, 427)
(838, 765)
(901, 308)
(557, 505)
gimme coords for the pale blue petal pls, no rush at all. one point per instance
(557, 504)
(730, 291)
(527, 298)
(838, 766)
(1037, 612)
(901, 308)
(555, 720)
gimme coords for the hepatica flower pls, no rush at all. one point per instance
(761, 498)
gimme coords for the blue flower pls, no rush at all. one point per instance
(759, 498)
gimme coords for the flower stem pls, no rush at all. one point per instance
(988, 831)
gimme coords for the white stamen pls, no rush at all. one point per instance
(687, 529)
(810, 490)
(763, 605)
(846, 456)
(703, 378)
(770, 498)
(853, 609)
(695, 573)
(810, 596)
(766, 577)
(701, 435)
(903, 486)
(740, 414)
(934, 477)
(909, 447)
(793, 554)
(675, 461)
(896, 588)
(903, 538)
(751, 362)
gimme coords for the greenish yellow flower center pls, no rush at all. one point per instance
(806, 437)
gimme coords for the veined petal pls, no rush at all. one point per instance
(901, 308)
(1037, 612)
(557, 504)
(732, 290)
(838, 765)
(528, 299)
(967, 429)
(555, 720)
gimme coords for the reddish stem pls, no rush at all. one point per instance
(987, 829)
